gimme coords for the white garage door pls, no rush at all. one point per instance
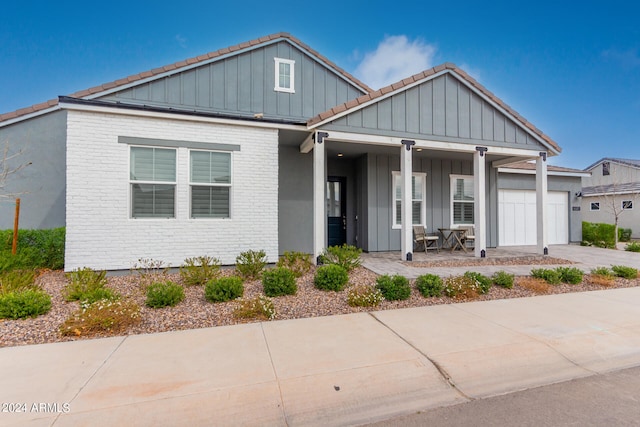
(517, 217)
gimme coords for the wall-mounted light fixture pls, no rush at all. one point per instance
(340, 154)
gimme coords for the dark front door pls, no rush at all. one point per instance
(337, 210)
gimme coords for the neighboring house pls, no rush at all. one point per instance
(613, 189)
(269, 145)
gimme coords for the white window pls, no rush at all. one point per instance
(627, 205)
(418, 192)
(595, 206)
(285, 75)
(210, 181)
(152, 179)
(462, 200)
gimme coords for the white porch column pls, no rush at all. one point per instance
(406, 172)
(480, 205)
(319, 186)
(541, 203)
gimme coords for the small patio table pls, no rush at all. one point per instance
(453, 238)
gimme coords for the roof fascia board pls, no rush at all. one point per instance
(431, 77)
(29, 116)
(178, 116)
(549, 172)
(422, 143)
(617, 193)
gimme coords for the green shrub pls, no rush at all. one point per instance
(461, 287)
(199, 270)
(279, 281)
(102, 316)
(364, 296)
(394, 287)
(259, 307)
(625, 272)
(251, 263)
(331, 277)
(86, 284)
(346, 256)
(503, 279)
(624, 235)
(550, 276)
(36, 249)
(224, 289)
(598, 234)
(603, 271)
(570, 275)
(25, 303)
(429, 285)
(298, 262)
(16, 280)
(164, 294)
(632, 247)
(484, 283)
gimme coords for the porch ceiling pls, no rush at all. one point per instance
(352, 151)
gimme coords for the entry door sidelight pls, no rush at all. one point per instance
(336, 210)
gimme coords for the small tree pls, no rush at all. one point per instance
(9, 166)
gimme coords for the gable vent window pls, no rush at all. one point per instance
(605, 168)
(285, 75)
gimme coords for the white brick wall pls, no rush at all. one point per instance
(100, 232)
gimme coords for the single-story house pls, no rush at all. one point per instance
(613, 188)
(269, 145)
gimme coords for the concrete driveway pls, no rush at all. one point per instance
(583, 257)
(339, 370)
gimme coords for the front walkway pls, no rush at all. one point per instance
(582, 257)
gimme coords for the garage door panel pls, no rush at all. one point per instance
(517, 217)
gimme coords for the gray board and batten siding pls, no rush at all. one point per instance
(243, 84)
(442, 108)
(40, 185)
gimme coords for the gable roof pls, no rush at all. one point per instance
(626, 162)
(625, 188)
(95, 91)
(528, 166)
(384, 92)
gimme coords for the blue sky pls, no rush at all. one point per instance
(570, 68)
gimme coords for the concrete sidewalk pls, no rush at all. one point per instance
(339, 370)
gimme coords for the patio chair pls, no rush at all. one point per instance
(429, 242)
(469, 236)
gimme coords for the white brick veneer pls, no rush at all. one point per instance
(100, 232)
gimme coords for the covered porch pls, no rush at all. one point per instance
(392, 184)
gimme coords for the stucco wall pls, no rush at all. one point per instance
(41, 185)
(100, 232)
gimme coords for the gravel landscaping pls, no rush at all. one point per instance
(196, 312)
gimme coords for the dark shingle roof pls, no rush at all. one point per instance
(625, 188)
(532, 166)
(627, 162)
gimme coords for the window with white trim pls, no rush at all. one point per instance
(210, 182)
(152, 179)
(627, 205)
(285, 75)
(418, 197)
(595, 206)
(462, 200)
